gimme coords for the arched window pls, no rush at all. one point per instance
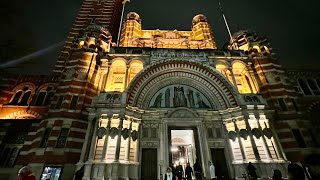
(244, 83)
(48, 98)
(304, 87)
(223, 69)
(25, 98)
(40, 98)
(16, 98)
(134, 68)
(117, 76)
(313, 86)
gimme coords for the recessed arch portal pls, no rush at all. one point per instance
(205, 79)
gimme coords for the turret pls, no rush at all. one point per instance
(251, 43)
(201, 29)
(131, 29)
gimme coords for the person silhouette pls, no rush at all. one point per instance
(197, 170)
(188, 172)
(252, 171)
(212, 171)
(169, 175)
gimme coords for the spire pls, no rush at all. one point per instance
(225, 21)
(120, 27)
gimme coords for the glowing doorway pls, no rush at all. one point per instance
(183, 147)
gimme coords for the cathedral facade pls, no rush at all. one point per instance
(161, 98)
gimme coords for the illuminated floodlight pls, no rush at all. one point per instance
(174, 149)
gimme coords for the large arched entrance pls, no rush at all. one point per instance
(180, 97)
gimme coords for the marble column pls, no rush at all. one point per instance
(106, 139)
(118, 145)
(126, 78)
(93, 141)
(233, 78)
(265, 144)
(244, 157)
(253, 143)
(127, 157)
(136, 157)
(84, 146)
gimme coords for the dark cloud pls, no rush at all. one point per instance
(291, 26)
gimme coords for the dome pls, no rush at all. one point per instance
(133, 16)
(199, 18)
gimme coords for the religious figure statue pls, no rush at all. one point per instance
(167, 98)
(190, 98)
(179, 97)
(201, 103)
(157, 101)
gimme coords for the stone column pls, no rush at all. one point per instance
(127, 157)
(104, 83)
(106, 139)
(93, 142)
(233, 78)
(239, 139)
(84, 146)
(257, 82)
(265, 144)
(87, 171)
(136, 157)
(253, 143)
(278, 147)
(126, 78)
(117, 154)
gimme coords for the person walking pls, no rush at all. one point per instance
(197, 170)
(188, 172)
(169, 175)
(212, 171)
(25, 173)
(179, 171)
(252, 171)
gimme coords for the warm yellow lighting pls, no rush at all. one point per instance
(243, 79)
(174, 149)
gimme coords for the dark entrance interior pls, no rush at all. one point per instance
(219, 162)
(149, 164)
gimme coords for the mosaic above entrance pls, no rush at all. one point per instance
(179, 96)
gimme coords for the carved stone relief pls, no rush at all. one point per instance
(179, 96)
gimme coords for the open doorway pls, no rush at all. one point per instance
(182, 147)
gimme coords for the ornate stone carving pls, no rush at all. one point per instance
(256, 132)
(149, 144)
(125, 133)
(162, 54)
(182, 113)
(232, 135)
(244, 133)
(134, 135)
(113, 98)
(113, 132)
(267, 132)
(101, 132)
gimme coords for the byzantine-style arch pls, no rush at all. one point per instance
(23, 115)
(206, 79)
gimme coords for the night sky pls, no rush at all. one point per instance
(291, 26)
